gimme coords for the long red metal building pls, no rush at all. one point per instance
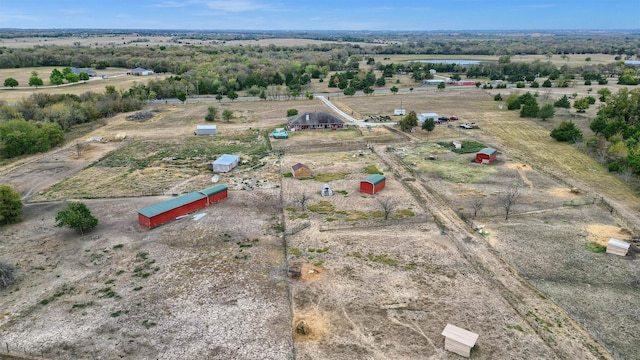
(160, 213)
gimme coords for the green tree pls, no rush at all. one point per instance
(368, 90)
(72, 78)
(394, 89)
(547, 83)
(34, 80)
(429, 124)
(409, 121)
(182, 96)
(581, 104)
(56, 78)
(292, 112)
(349, 91)
(546, 112)
(83, 76)
(530, 109)
(212, 114)
(219, 97)
(232, 95)
(76, 216)
(441, 86)
(563, 102)
(598, 125)
(11, 82)
(567, 131)
(227, 115)
(604, 94)
(513, 102)
(10, 205)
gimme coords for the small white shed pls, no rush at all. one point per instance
(225, 163)
(459, 340)
(618, 247)
(206, 129)
(399, 112)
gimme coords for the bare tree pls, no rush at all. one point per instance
(477, 205)
(301, 200)
(626, 174)
(510, 198)
(80, 148)
(387, 206)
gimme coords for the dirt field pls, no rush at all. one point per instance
(369, 288)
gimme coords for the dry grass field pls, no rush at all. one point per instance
(115, 77)
(369, 288)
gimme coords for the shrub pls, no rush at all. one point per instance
(595, 247)
(77, 217)
(10, 205)
(7, 275)
(567, 131)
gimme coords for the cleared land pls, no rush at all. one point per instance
(368, 287)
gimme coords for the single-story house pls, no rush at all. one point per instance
(280, 133)
(459, 340)
(300, 171)
(617, 247)
(140, 72)
(424, 116)
(486, 155)
(372, 184)
(225, 163)
(432, 82)
(77, 71)
(206, 129)
(315, 120)
(160, 213)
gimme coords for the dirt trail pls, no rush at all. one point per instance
(569, 340)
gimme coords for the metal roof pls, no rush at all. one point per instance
(619, 243)
(460, 335)
(169, 205)
(375, 178)
(209, 127)
(214, 189)
(315, 118)
(488, 151)
(226, 159)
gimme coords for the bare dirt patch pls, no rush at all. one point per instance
(601, 233)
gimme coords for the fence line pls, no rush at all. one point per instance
(366, 224)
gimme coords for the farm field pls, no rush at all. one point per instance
(368, 287)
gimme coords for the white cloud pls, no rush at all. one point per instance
(233, 5)
(170, 4)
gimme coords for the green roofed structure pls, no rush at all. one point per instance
(160, 213)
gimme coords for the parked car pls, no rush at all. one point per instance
(443, 118)
(453, 118)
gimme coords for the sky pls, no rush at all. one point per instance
(377, 15)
